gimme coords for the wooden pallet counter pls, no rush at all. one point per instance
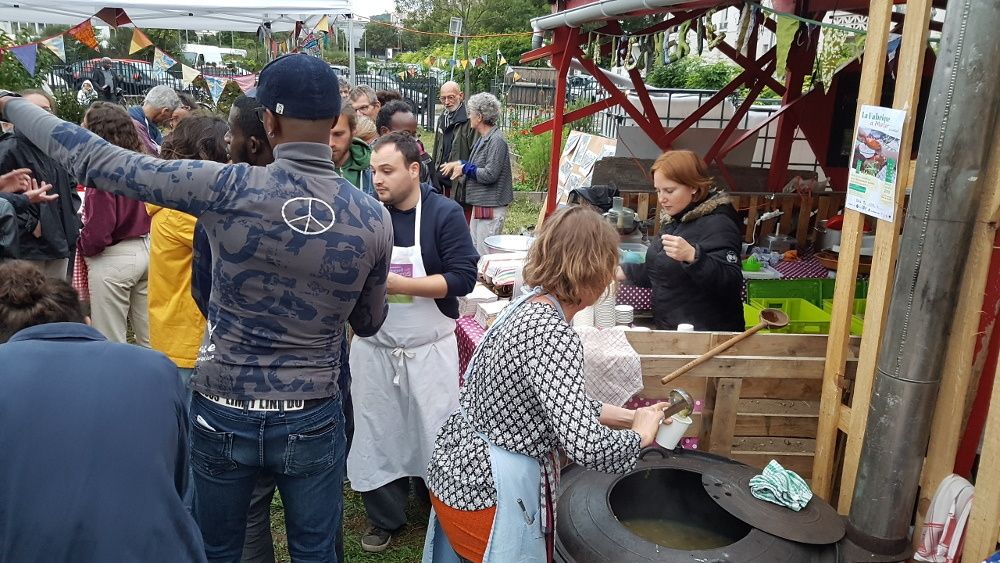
(760, 399)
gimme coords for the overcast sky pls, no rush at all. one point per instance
(374, 7)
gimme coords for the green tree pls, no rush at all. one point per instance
(379, 37)
(478, 17)
(13, 75)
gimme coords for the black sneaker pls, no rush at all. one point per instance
(376, 540)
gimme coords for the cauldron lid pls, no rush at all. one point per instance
(817, 524)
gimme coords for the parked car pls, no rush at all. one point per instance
(341, 70)
(582, 88)
(137, 76)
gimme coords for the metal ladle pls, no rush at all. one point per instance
(769, 318)
(680, 403)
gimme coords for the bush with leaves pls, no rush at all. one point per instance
(67, 108)
(693, 73)
(13, 75)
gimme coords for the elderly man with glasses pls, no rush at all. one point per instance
(365, 101)
(454, 140)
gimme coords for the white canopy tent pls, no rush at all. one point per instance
(205, 15)
(218, 15)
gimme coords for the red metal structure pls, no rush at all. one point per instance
(813, 112)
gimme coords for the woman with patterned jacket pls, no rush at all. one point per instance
(494, 474)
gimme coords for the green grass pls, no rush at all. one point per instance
(405, 548)
(522, 214)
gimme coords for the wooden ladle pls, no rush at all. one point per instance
(769, 318)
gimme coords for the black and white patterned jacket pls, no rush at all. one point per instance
(525, 392)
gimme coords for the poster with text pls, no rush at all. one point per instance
(576, 165)
(871, 182)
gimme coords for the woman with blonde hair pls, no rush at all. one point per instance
(694, 271)
(494, 473)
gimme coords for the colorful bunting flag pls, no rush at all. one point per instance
(188, 74)
(57, 45)
(429, 61)
(323, 25)
(84, 33)
(465, 63)
(162, 61)
(452, 63)
(500, 58)
(402, 75)
(114, 16)
(215, 86)
(310, 45)
(787, 28)
(245, 82)
(516, 76)
(139, 41)
(27, 55)
(510, 70)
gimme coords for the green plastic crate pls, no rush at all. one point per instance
(803, 316)
(857, 316)
(860, 290)
(751, 315)
(809, 289)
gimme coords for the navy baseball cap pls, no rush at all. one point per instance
(299, 86)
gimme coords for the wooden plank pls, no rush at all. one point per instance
(642, 209)
(787, 214)
(758, 425)
(764, 444)
(727, 396)
(738, 366)
(807, 389)
(752, 214)
(844, 418)
(872, 71)
(695, 386)
(799, 463)
(803, 228)
(761, 344)
(981, 533)
(909, 75)
(790, 408)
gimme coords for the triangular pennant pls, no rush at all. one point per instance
(787, 28)
(429, 61)
(57, 45)
(465, 63)
(510, 70)
(311, 45)
(215, 86)
(162, 61)
(84, 33)
(402, 75)
(452, 63)
(188, 74)
(323, 25)
(516, 77)
(27, 55)
(139, 41)
(486, 59)
(500, 58)
(114, 16)
(245, 82)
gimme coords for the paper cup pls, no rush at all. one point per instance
(669, 435)
(684, 327)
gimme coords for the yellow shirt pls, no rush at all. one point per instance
(176, 326)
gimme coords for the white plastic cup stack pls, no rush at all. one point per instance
(624, 314)
(604, 311)
(669, 435)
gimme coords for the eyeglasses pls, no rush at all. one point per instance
(363, 108)
(259, 112)
(449, 98)
(185, 108)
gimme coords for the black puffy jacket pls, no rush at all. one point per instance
(707, 292)
(60, 223)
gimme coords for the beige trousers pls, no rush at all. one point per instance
(483, 228)
(119, 290)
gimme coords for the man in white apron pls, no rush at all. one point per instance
(405, 377)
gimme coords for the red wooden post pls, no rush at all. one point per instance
(567, 39)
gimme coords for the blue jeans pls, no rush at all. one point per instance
(303, 450)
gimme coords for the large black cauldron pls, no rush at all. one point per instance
(700, 490)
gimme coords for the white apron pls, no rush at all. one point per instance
(404, 384)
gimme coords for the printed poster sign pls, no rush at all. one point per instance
(576, 165)
(871, 182)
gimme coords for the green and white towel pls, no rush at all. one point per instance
(781, 486)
